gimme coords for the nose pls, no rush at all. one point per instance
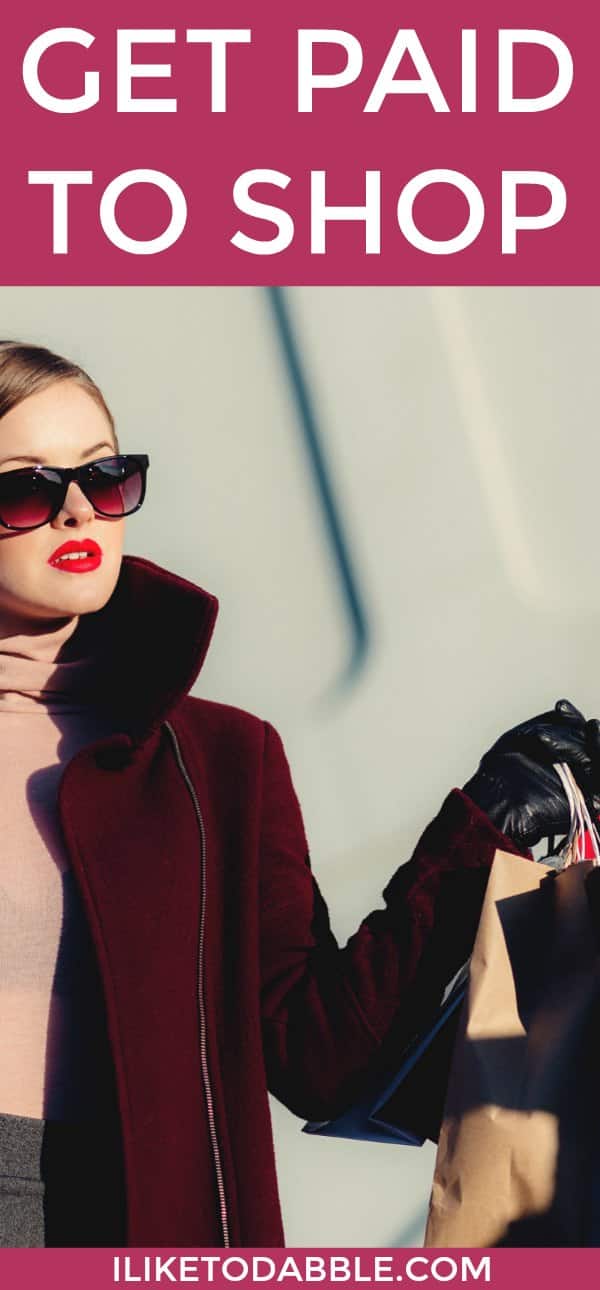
(76, 509)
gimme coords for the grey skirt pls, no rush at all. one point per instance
(61, 1183)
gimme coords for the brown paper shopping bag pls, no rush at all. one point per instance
(517, 1147)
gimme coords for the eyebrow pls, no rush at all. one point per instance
(35, 461)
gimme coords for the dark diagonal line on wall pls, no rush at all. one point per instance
(335, 530)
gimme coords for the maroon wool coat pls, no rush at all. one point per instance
(220, 973)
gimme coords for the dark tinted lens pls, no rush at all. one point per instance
(26, 498)
(115, 486)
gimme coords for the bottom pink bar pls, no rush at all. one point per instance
(504, 1269)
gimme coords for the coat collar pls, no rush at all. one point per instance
(154, 631)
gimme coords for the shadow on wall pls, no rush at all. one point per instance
(334, 526)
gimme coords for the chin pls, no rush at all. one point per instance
(82, 593)
(86, 599)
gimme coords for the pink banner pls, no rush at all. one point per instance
(285, 144)
(101, 1269)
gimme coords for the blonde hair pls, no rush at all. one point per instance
(27, 369)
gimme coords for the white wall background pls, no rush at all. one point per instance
(461, 431)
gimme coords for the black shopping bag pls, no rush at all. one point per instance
(407, 1105)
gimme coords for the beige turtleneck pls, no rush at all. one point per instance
(54, 1056)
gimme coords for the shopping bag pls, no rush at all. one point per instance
(406, 1105)
(516, 1161)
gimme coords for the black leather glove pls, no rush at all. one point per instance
(516, 785)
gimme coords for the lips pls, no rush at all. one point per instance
(76, 557)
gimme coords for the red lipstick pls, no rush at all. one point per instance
(77, 557)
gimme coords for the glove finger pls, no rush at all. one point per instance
(564, 713)
(525, 799)
(568, 709)
(530, 829)
(592, 741)
(554, 745)
(542, 721)
(563, 720)
(592, 730)
(547, 742)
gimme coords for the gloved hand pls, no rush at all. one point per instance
(516, 785)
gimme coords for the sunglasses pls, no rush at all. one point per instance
(34, 495)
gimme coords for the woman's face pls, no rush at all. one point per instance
(61, 425)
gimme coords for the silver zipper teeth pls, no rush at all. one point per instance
(210, 1109)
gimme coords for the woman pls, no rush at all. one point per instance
(165, 954)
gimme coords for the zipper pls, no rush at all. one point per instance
(200, 997)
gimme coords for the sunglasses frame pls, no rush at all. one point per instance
(67, 474)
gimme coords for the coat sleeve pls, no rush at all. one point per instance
(333, 1016)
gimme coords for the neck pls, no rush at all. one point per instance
(38, 638)
(17, 625)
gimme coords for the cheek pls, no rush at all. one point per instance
(111, 539)
(22, 557)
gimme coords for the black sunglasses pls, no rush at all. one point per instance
(34, 495)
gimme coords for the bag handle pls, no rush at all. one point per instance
(581, 820)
